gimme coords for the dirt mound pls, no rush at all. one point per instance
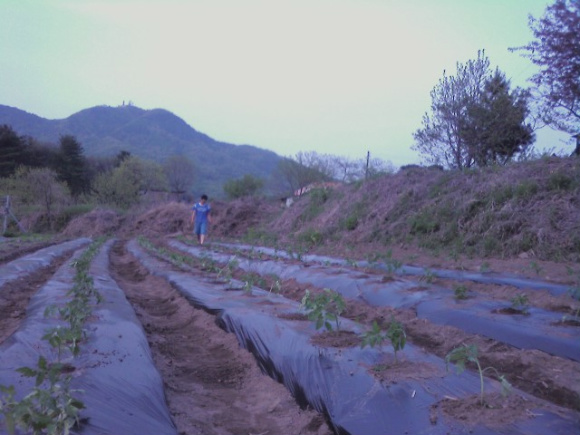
(169, 218)
(236, 218)
(98, 222)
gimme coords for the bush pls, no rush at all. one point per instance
(248, 185)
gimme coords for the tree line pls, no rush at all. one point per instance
(54, 176)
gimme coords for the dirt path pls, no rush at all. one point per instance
(212, 385)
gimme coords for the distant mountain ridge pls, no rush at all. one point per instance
(154, 134)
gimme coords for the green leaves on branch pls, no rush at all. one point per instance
(324, 308)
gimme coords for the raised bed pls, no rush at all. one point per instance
(337, 382)
(121, 388)
(540, 329)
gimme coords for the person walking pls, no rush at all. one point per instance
(200, 218)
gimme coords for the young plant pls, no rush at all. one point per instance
(228, 270)
(324, 308)
(50, 410)
(469, 353)
(484, 268)
(461, 292)
(392, 264)
(521, 303)
(276, 287)
(428, 276)
(535, 267)
(395, 333)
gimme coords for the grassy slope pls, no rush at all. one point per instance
(530, 209)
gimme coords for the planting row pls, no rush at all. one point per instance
(533, 329)
(80, 360)
(415, 390)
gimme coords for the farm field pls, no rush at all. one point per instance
(218, 334)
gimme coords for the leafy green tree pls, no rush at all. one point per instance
(72, 165)
(123, 186)
(248, 185)
(494, 127)
(556, 50)
(12, 151)
(441, 141)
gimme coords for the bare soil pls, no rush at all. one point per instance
(212, 385)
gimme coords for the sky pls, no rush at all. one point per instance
(338, 77)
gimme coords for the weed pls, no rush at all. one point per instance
(560, 181)
(350, 222)
(324, 308)
(395, 333)
(311, 237)
(469, 353)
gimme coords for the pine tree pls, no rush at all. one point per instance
(72, 165)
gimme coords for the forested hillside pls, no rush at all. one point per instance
(151, 134)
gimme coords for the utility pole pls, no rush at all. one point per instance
(367, 166)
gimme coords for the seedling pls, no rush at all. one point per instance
(51, 410)
(276, 287)
(395, 334)
(324, 308)
(428, 276)
(575, 289)
(392, 264)
(461, 292)
(484, 268)
(469, 353)
(227, 271)
(521, 303)
(535, 267)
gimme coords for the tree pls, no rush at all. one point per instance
(72, 165)
(248, 185)
(494, 127)
(556, 50)
(12, 151)
(440, 140)
(180, 173)
(302, 170)
(40, 187)
(124, 185)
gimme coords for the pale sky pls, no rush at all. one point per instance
(333, 76)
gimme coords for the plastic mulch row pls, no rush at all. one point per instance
(540, 329)
(121, 388)
(337, 382)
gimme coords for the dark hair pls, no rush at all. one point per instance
(204, 196)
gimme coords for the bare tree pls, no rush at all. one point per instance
(556, 50)
(180, 172)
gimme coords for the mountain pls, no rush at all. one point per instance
(151, 134)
